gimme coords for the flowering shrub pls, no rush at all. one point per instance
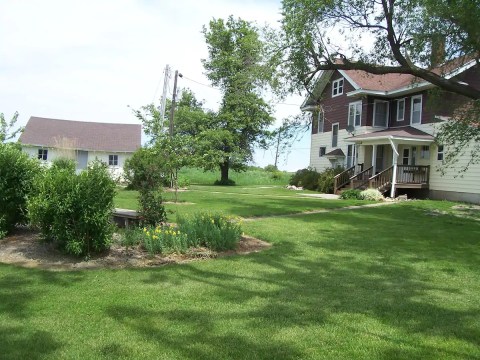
(214, 231)
(164, 239)
(372, 194)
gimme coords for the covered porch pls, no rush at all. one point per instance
(390, 159)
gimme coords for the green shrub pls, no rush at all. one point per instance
(270, 168)
(145, 170)
(17, 173)
(151, 211)
(351, 194)
(326, 179)
(64, 163)
(74, 211)
(307, 178)
(214, 231)
(372, 194)
(165, 239)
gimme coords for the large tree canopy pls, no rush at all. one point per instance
(405, 35)
(387, 36)
(235, 64)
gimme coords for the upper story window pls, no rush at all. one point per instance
(43, 154)
(380, 113)
(321, 121)
(113, 160)
(334, 135)
(337, 87)
(400, 109)
(416, 116)
(355, 114)
(440, 152)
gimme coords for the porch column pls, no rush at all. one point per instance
(394, 163)
(374, 159)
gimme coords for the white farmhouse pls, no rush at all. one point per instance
(48, 139)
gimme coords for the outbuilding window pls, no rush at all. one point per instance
(113, 160)
(43, 154)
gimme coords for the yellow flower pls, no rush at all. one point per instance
(144, 229)
(213, 221)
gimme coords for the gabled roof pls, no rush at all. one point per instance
(403, 133)
(92, 136)
(366, 83)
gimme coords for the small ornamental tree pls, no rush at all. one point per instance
(74, 211)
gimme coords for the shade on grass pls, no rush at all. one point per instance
(378, 283)
(241, 201)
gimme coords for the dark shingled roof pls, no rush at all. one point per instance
(403, 132)
(84, 135)
(335, 153)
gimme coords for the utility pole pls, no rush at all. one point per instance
(166, 81)
(174, 98)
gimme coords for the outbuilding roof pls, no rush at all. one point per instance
(92, 136)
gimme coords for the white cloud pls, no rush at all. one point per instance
(88, 60)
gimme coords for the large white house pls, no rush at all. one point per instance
(381, 128)
(48, 139)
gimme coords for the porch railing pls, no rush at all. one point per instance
(343, 178)
(382, 179)
(361, 179)
(413, 174)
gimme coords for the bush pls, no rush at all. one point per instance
(351, 194)
(151, 211)
(16, 184)
(145, 170)
(214, 231)
(165, 240)
(307, 178)
(270, 168)
(372, 194)
(326, 179)
(74, 211)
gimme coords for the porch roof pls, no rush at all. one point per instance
(406, 133)
(337, 153)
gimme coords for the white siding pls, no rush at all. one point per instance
(468, 182)
(32, 151)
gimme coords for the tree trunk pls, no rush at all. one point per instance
(224, 167)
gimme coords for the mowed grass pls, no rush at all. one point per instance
(394, 282)
(252, 176)
(251, 201)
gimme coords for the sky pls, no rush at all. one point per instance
(90, 60)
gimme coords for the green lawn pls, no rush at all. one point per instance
(248, 201)
(393, 282)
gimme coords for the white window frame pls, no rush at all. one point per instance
(398, 109)
(425, 152)
(42, 154)
(113, 158)
(354, 106)
(411, 110)
(353, 155)
(375, 102)
(321, 114)
(337, 89)
(338, 131)
(440, 152)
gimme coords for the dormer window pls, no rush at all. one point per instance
(337, 87)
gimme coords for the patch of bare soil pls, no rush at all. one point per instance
(26, 249)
